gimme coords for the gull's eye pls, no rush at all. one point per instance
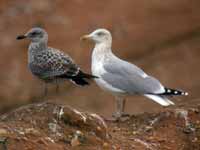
(35, 33)
(100, 33)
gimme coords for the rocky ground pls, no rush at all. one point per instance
(53, 126)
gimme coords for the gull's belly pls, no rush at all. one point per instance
(98, 70)
(107, 87)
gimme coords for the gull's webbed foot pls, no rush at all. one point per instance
(120, 116)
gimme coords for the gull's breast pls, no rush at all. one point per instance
(98, 70)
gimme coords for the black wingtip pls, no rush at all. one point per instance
(86, 75)
(79, 81)
(20, 37)
(93, 76)
(173, 92)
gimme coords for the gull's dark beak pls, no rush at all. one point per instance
(20, 37)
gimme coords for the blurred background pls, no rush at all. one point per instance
(162, 37)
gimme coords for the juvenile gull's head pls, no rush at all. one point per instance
(37, 35)
(99, 36)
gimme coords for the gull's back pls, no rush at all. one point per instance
(51, 63)
(128, 77)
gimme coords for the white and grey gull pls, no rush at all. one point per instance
(50, 64)
(122, 78)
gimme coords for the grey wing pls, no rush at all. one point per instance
(54, 63)
(129, 78)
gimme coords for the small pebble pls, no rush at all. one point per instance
(75, 142)
(105, 145)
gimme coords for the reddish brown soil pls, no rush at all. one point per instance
(48, 126)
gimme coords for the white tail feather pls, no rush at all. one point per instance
(160, 99)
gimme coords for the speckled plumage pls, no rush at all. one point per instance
(50, 64)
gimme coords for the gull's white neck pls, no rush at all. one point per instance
(100, 55)
(101, 50)
(37, 46)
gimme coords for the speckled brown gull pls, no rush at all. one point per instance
(50, 64)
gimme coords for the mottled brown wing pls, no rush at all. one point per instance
(54, 63)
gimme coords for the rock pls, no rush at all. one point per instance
(60, 127)
(105, 145)
(51, 123)
(3, 132)
(90, 122)
(31, 131)
(77, 138)
(75, 142)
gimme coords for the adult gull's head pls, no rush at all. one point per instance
(99, 36)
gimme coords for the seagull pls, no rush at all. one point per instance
(50, 64)
(122, 78)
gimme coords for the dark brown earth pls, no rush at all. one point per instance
(50, 126)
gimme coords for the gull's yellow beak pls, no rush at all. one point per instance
(86, 37)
